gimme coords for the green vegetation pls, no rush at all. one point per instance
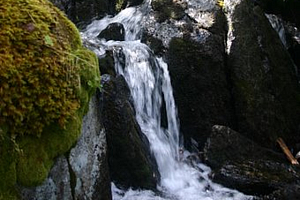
(46, 81)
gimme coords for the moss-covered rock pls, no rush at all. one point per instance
(46, 80)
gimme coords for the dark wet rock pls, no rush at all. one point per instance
(265, 89)
(289, 36)
(201, 91)
(83, 173)
(130, 162)
(293, 40)
(83, 12)
(168, 9)
(122, 4)
(114, 31)
(288, 9)
(134, 2)
(106, 64)
(155, 44)
(290, 192)
(239, 163)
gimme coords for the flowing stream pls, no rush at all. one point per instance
(148, 78)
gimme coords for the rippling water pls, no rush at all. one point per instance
(183, 177)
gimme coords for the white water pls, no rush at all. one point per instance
(148, 79)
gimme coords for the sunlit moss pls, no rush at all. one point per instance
(38, 78)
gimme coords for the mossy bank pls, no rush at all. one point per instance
(46, 81)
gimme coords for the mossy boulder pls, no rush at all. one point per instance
(46, 81)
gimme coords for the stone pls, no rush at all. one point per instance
(88, 159)
(83, 12)
(114, 31)
(239, 163)
(264, 82)
(130, 161)
(199, 79)
(83, 173)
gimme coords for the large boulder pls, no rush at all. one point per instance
(265, 89)
(129, 157)
(239, 163)
(197, 66)
(200, 86)
(46, 81)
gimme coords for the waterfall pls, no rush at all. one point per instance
(149, 82)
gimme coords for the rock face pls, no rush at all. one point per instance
(83, 173)
(263, 78)
(129, 157)
(88, 159)
(83, 12)
(201, 90)
(244, 165)
(114, 31)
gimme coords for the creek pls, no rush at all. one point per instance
(183, 176)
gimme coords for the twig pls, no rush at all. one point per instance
(287, 152)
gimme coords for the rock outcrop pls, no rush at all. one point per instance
(264, 82)
(242, 164)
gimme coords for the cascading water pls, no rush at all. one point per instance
(149, 82)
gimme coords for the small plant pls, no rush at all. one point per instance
(221, 3)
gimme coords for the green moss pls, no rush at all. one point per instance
(39, 153)
(120, 5)
(46, 81)
(37, 79)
